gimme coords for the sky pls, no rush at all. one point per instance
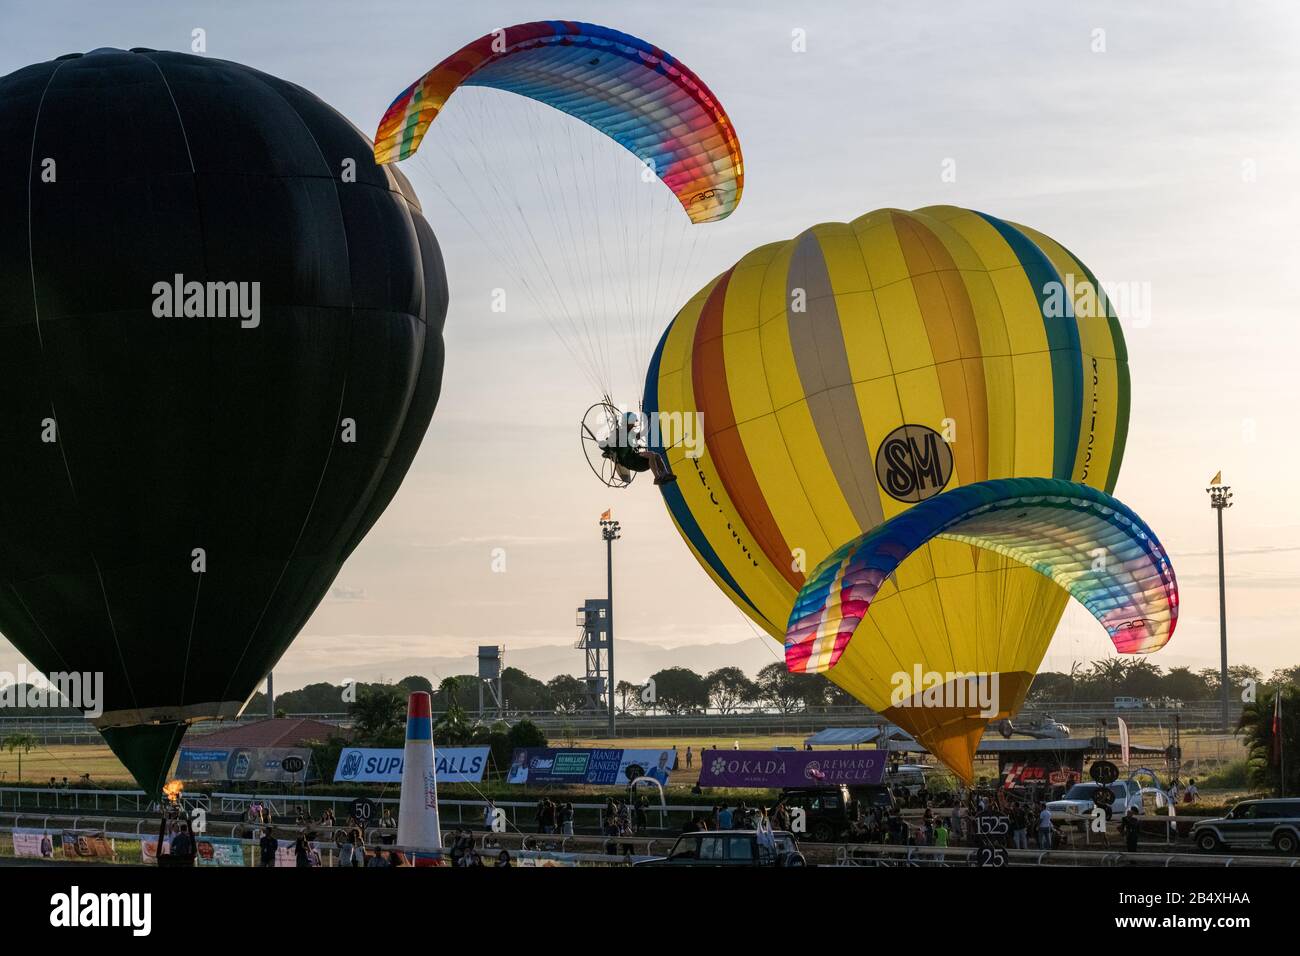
(1161, 143)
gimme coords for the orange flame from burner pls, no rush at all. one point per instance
(172, 791)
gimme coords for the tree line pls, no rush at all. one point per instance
(673, 690)
(1140, 677)
(681, 690)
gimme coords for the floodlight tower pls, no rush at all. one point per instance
(1221, 499)
(609, 530)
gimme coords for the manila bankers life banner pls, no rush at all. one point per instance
(592, 765)
(791, 768)
(375, 765)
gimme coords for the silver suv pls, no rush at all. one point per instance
(1253, 824)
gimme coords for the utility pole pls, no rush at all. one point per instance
(1220, 499)
(270, 695)
(609, 530)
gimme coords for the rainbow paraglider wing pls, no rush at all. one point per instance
(1089, 543)
(628, 89)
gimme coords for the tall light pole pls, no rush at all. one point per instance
(1220, 499)
(609, 530)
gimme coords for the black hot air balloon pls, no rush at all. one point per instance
(178, 491)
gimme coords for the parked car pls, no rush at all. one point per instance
(826, 810)
(1129, 703)
(1044, 727)
(1079, 798)
(1166, 703)
(730, 848)
(1253, 823)
(909, 777)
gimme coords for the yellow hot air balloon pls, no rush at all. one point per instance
(825, 384)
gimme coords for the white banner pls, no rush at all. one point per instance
(33, 843)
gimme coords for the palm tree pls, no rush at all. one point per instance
(23, 744)
(1268, 753)
(451, 727)
(379, 716)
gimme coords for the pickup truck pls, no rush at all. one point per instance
(1079, 800)
(730, 848)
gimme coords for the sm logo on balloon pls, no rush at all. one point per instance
(913, 463)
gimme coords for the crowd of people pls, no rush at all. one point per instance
(355, 848)
(552, 817)
(946, 819)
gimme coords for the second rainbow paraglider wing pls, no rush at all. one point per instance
(1089, 543)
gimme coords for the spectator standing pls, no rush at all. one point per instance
(1044, 828)
(763, 832)
(941, 839)
(183, 843)
(1191, 793)
(689, 758)
(724, 818)
(313, 854)
(267, 847)
(1130, 826)
(1019, 828)
(348, 851)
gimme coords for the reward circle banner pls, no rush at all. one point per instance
(793, 768)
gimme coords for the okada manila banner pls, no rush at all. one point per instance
(791, 768)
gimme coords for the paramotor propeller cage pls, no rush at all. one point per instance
(599, 431)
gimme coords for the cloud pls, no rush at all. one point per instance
(499, 540)
(1241, 552)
